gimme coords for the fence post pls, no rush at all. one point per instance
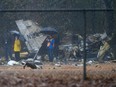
(84, 40)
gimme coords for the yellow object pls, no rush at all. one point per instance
(17, 46)
(103, 50)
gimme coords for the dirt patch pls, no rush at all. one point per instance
(102, 75)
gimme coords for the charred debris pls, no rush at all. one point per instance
(69, 48)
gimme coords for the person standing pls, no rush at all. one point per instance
(50, 46)
(56, 47)
(17, 48)
(8, 46)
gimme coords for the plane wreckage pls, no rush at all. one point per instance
(28, 29)
(35, 36)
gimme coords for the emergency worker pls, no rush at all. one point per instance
(17, 48)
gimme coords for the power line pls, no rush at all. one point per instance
(53, 10)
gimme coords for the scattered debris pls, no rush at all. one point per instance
(33, 64)
(58, 64)
(12, 62)
(97, 46)
(89, 62)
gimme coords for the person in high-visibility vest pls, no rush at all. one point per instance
(17, 48)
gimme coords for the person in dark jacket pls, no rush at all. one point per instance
(8, 43)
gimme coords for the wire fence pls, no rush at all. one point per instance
(84, 36)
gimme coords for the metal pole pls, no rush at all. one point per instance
(85, 55)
